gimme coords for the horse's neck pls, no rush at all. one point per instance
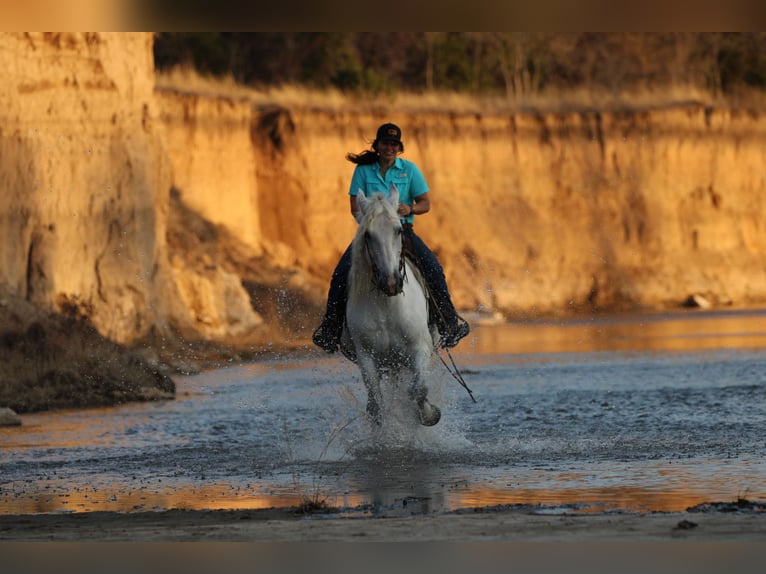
(361, 269)
(414, 273)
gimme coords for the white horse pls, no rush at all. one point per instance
(387, 309)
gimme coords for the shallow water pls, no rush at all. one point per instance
(626, 413)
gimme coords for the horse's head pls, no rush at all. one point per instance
(380, 233)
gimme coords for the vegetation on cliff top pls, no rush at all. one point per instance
(510, 65)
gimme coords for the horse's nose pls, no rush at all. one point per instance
(393, 285)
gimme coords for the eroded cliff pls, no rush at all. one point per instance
(91, 235)
(86, 213)
(80, 216)
(532, 213)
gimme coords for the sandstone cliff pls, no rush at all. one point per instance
(532, 212)
(95, 240)
(81, 217)
(163, 215)
(86, 206)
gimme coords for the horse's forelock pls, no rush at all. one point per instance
(378, 206)
(382, 205)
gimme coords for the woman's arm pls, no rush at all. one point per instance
(421, 205)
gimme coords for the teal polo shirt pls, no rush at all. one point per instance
(404, 174)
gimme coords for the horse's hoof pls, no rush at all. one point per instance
(428, 414)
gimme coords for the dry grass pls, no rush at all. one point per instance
(300, 97)
(188, 80)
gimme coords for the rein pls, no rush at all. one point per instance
(376, 271)
(454, 371)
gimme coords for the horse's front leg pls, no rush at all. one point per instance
(428, 414)
(371, 379)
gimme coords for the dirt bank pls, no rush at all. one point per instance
(58, 360)
(555, 211)
(285, 525)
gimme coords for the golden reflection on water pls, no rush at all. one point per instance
(233, 497)
(71, 428)
(686, 331)
(628, 498)
(124, 498)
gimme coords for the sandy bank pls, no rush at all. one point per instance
(284, 525)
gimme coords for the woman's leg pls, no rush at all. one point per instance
(327, 336)
(451, 326)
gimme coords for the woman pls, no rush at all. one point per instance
(376, 169)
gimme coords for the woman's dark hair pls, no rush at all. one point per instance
(368, 156)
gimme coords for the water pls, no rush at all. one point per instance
(635, 413)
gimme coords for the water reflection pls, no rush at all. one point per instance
(623, 498)
(397, 481)
(16, 499)
(683, 331)
(101, 427)
(380, 493)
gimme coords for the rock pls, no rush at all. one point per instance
(155, 394)
(686, 525)
(697, 301)
(8, 418)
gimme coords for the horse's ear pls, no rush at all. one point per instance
(393, 196)
(362, 200)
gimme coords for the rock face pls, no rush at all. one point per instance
(87, 184)
(630, 208)
(532, 213)
(98, 251)
(152, 211)
(82, 214)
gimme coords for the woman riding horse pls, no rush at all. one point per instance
(376, 170)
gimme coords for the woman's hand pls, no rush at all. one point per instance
(422, 203)
(404, 210)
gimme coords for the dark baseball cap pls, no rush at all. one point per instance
(389, 132)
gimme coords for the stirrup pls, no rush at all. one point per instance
(324, 340)
(455, 334)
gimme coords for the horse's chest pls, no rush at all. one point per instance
(378, 328)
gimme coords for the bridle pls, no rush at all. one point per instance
(375, 279)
